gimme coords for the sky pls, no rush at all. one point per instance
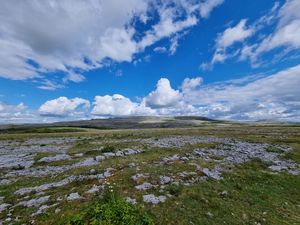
(84, 59)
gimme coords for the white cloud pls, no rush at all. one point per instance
(68, 36)
(229, 37)
(287, 33)
(207, 6)
(16, 114)
(49, 85)
(163, 96)
(160, 49)
(285, 36)
(64, 107)
(272, 97)
(256, 97)
(189, 84)
(234, 34)
(118, 105)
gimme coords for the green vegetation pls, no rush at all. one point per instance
(18, 130)
(248, 194)
(111, 209)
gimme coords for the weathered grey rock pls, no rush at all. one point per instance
(58, 210)
(95, 189)
(214, 173)
(92, 171)
(73, 196)
(54, 158)
(99, 158)
(154, 199)
(5, 182)
(119, 153)
(4, 206)
(144, 186)
(42, 209)
(109, 154)
(130, 151)
(85, 162)
(63, 182)
(138, 176)
(34, 202)
(165, 180)
(16, 162)
(108, 171)
(131, 200)
(180, 141)
(49, 170)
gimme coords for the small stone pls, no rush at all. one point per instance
(4, 206)
(153, 199)
(131, 200)
(119, 153)
(109, 154)
(144, 186)
(92, 171)
(138, 176)
(78, 155)
(34, 202)
(223, 193)
(165, 179)
(58, 210)
(95, 189)
(100, 158)
(73, 196)
(209, 214)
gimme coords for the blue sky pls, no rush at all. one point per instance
(226, 59)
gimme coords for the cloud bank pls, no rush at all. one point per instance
(261, 97)
(71, 37)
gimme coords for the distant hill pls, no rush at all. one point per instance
(137, 122)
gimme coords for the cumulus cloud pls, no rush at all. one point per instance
(16, 114)
(189, 84)
(63, 107)
(118, 105)
(163, 96)
(257, 97)
(67, 36)
(271, 97)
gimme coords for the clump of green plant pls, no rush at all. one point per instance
(174, 189)
(108, 148)
(274, 149)
(111, 209)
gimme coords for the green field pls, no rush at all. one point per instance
(248, 192)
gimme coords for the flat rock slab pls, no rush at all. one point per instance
(154, 199)
(73, 196)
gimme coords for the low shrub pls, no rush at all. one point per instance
(111, 209)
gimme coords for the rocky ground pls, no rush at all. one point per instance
(46, 175)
